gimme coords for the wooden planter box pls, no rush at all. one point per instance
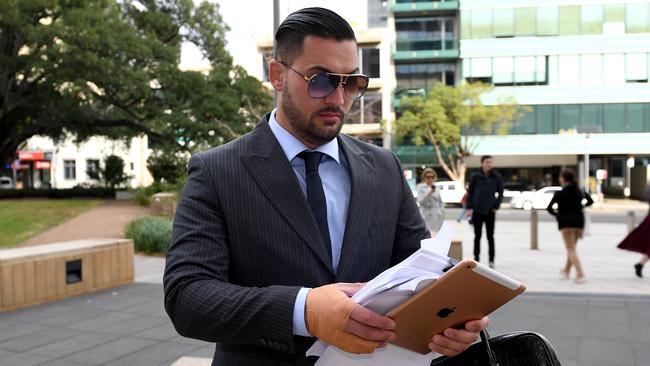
(42, 273)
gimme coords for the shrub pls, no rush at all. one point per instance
(150, 234)
(141, 197)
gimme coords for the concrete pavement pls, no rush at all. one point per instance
(604, 322)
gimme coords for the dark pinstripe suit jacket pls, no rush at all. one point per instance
(244, 241)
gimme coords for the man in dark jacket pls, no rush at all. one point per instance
(484, 197)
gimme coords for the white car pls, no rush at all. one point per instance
(6, 183)
(450, 191)
(539, 200)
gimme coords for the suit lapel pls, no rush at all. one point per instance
(362, 179)
(269, 167)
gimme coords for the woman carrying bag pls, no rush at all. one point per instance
(570, 220)
(431, 206)
(639, 241)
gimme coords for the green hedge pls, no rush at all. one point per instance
(150, 234)
(96, 192)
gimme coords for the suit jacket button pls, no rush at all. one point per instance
(284, 347)
(263, 341)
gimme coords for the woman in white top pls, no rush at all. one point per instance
(431, 206)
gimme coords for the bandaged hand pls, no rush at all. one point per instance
(334, 318)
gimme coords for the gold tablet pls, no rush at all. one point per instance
(467, 291)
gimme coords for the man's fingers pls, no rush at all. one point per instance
(372, 319)
(369, 333)
(477, 325)
(444, 346)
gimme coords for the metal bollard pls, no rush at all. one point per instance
(533, 229)
(631, 221)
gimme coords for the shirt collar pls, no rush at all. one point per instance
(292, 146)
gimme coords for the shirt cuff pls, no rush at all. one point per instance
(299, 326)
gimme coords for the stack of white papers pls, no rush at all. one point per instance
(389, 289)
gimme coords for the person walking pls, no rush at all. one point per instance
(570, 220)
(431, 206)
(484, 197)
(638, 240)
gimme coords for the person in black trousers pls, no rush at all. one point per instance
(570, 220)
(484, 196)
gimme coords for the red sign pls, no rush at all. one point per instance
(42, 165)
(31, 155)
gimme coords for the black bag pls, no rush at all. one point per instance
(510, 349)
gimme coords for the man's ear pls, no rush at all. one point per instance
(276, 74)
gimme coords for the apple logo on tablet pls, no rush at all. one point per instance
(445, 312)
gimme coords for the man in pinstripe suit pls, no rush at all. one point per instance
(249, 267)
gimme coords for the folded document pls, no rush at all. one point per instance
(385, 292)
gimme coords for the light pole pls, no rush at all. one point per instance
(587, 130)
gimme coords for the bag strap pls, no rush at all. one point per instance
(485, 339)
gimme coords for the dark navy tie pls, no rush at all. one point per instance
(316, 195)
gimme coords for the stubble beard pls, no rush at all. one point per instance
(307, 129)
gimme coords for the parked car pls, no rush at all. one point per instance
(450, 191)
(6, 183)
(512, 190)
(538, 200)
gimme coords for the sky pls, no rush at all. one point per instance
(249, 26)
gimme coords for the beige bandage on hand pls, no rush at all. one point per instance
(327, 312)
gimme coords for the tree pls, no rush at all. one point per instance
(112, 173)
(447, 116)
(109, 67)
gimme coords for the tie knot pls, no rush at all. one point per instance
(312, 160)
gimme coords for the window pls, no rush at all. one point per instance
(422, 76)
(503, 70)
(482, 23)
(267, 55)
(569, 116)
(591, 69)
(636, 117)
(636, 18)
(614, 64)
(69, 169)
(569, 20)
(592, 19)
(636, 68)
(367, 109)
(525, 21)
(569, 70)
(547, 21)
(423, 34)
(92, 168)
(370, 62)
(615, 13)
(504, 22)
(614, 118)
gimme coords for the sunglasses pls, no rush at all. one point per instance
(322, 84)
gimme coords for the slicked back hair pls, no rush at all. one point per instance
(320, 22)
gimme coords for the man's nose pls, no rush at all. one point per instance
(337, 97)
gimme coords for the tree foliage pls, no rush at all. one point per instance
(109, 67)
(447, 115)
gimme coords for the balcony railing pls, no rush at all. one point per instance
(400, 7)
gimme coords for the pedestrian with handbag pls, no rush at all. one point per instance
(570, 220)
(639, 240)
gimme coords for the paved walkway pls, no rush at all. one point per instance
(105, 221)
(604, 322)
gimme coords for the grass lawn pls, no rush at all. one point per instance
(22, 218)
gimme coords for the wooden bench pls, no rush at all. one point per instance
(33, 275)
